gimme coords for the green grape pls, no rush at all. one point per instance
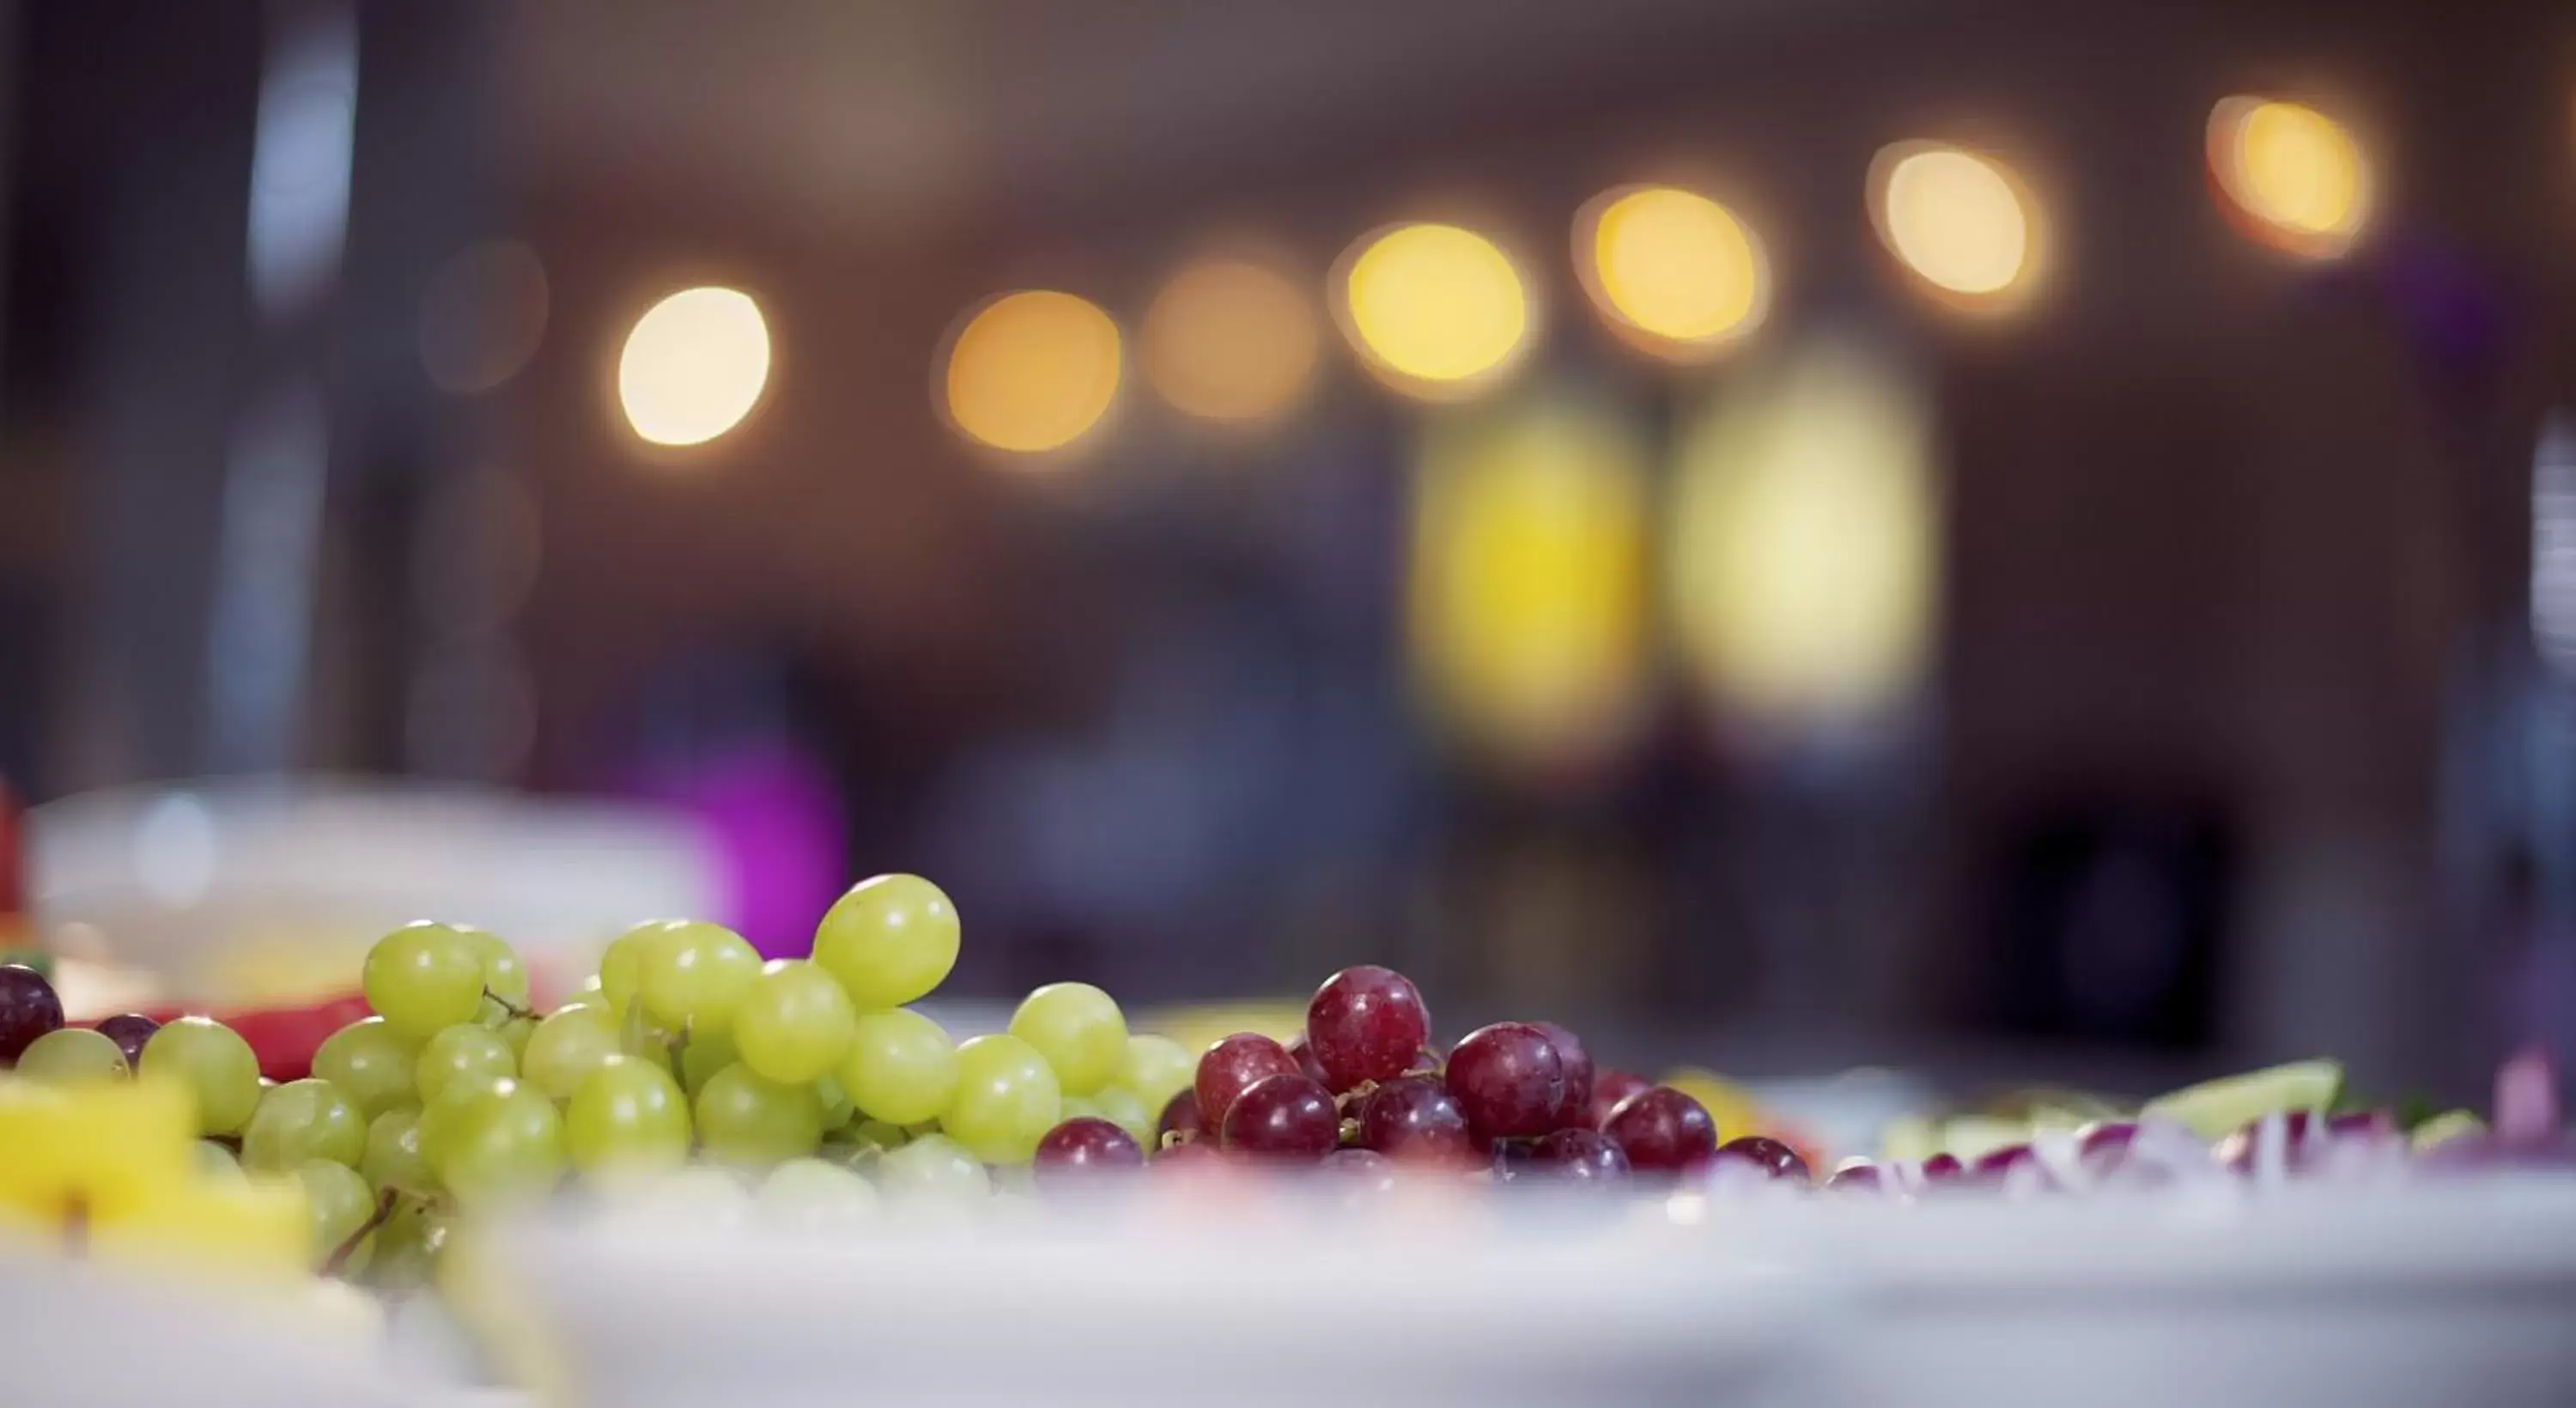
(370, 1063)
(617, 963)
(340, 1203)
(213, 1160)
(392, 1158)
(701, 1059)
(890, 940)
(567, 1047)
(1120, 1107)
(303, 1120)
(464, 1053)
(217, 1066)
(745, 1118)
(902, 1067)
(423, 978)
(1155, 1069)
(504, 976)
(794, 1025)
(72, 1056)
(1006, 1101)
(495, 1143)
(837, 1109)
(1079, 1031)
(514, 1029)
(880, 1134)
(407, 1246)
(690, 977)
(933, 1166)
(626, 1115)
(588, 1000)
(809, 1195)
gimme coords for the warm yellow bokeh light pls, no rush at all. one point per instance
(1803, 558)
(2295, 172)
(1958, 220)
(1528, 585)
(1229, 340)
(694, 366)
(1675, 272)
(1033, 370)
(1435, 310)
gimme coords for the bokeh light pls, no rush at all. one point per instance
(482, 316)
(1802, 562)
(2295, 175)
(1675, 273)
(1528, 586)
(1960, 221)
(1230, 340)
(1434, 311)
(694, 366)
(1032, 371)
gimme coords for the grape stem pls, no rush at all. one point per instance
(348, 1247)
(513, 1010)
(679, 1047)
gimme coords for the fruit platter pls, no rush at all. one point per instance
(698, 1173)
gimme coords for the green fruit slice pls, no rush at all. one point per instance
(2442, 1128)
(2217, 1108)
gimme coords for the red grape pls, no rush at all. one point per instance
(1304, 1055)
(1997, 1166)
(1085, 1147)
(1942, 1168)
(1231, 1067)
(1415, 1117)
(2363, 1124)
(1581, 1156)
(1284, 1116)
(129, 1031)
(28, 1008)
(1180, 1116)
(1662, 1130)
(2105, 1146)
(1508, 1081)
(1365, 1023)
(1574, 1111)
(1609, 1088)
(1773, 1158)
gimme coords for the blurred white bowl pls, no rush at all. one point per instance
(1256, 1311)
(2433, 1293)
(169, 876)
(72, 1333)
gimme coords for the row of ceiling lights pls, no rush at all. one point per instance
(1440, 312)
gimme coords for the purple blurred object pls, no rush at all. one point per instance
(2526, 1100)
(774, 820)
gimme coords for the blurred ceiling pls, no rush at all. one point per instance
(911, 114)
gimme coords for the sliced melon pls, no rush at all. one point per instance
(2217, 1108)
(2452, 1124)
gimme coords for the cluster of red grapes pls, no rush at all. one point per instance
(1361, 1090)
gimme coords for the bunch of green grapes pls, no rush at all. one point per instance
(685, 1073)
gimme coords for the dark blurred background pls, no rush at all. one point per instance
(2165, 667)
